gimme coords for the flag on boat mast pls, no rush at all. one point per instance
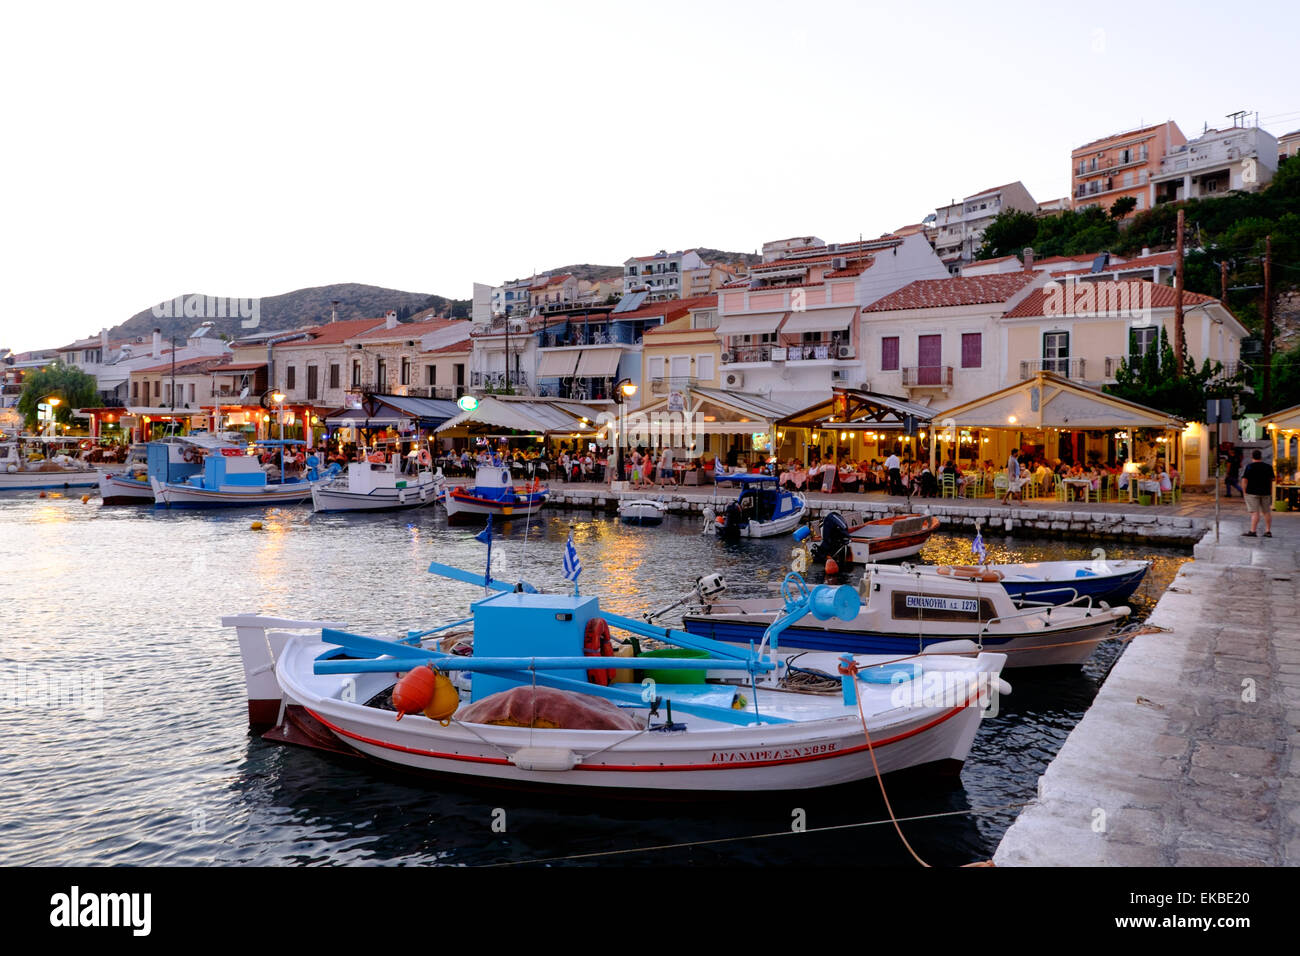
(486, 537)
(572, 563)
(977, 546)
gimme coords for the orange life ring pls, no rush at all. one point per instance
(232, 452)
(376, 459)
(970, 572)
(596, 642)
(425, 457)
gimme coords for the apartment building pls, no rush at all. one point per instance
(959, 226)
(1120, 165)
(1241, 158)
(659, 275)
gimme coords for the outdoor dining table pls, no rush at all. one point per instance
(1083, 485)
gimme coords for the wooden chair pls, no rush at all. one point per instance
(947, 486)
(1000, 484)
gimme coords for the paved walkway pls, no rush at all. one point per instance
(1190, 755)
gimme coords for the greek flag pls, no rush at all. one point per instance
(572, 564)
(485, 536)
(977, 546)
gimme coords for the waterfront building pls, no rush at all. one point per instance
(789, 330)
(1242, 158)
(111, 361)
(659, 275)
(1121, 164)
(683, 353)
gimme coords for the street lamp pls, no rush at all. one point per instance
(623, 391)
(278, 399)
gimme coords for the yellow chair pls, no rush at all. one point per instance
(947, 486)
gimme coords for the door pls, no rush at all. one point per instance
(1056, 352)
(311, 382)
(929, 350)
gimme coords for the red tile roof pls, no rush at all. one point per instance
(963, 290)
(1122, 135)
(670, 309)
(1088, 257)
(239, 367)
(460, 345)
(1142, 262)
(332, 333)
(985, 262)
(1131, 290)
(186, 366)
(411, 330)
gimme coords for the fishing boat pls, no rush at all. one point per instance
(234, 479)
(532, 707)
(641, 511)
(44, 470)
(763, 509)
(907, 610)
(1055, 582)
(378, 483)
(898, 536)
(493, 493)
(173, 459)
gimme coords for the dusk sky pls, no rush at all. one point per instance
(249, 149)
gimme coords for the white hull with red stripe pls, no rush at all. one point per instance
(929, 720)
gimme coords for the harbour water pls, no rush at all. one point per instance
(147, 759)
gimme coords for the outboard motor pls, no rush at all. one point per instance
(835, 538)
(730, 523)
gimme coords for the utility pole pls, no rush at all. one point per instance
(1268, 324)
(1178, 301)
(1223, 283)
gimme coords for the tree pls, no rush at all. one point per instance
(73, 387)
(1149, 382)
(1008, 233)
(1122, 206)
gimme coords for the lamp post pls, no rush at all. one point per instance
(623, 390)
(53, 402)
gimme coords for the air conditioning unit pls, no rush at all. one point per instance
(733, 380)
(846, 352)
(778, 354)
(727, 358)
(518, 325)
(840, 262)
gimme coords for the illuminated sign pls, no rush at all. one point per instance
(467, 403)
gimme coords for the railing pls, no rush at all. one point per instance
(433, 391)
(817, 352)
(498, 382)
(1113, 362)
(579, 389)
(1068, 367)
(672, 383)
(927, 376)
(747, 353)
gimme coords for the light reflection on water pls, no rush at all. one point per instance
(169, 774)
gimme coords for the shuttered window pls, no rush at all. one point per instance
(972, 350)
(889, 354)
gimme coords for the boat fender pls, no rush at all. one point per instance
(376, 459)
(414, 692)
(444, 702)
(596, 642)
(971, 573)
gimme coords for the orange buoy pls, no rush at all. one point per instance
(445, 700)
(832, 566)
(85, 498)
(42, 494)
(414, 692)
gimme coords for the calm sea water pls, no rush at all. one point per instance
(148, 759)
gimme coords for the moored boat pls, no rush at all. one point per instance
(43, 472)
(493, 493)
(378, 483)
(762, 509)
(233, 479)
(641, 511)
(1055, 582)
(173, 459)
(884, 539)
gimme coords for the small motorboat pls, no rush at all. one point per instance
(377, 483)
(908, 610)
(47, 470)
(762, 510)
(173, 459)
(898, 536)
(541, 701)
(1055, 582)
(233, 479)
(493, 493)
(641, 511)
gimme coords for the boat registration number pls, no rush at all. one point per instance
(965, 605)
(781, 753)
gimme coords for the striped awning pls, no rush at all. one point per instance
(757, 323)
(598, 363)
(557, 363)
(821, 320)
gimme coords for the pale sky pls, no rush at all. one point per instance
(249, 149)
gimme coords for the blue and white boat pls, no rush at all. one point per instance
(547, 707)
(1056, 582)
(641, 511)
(173, 459)
(234, 479)
(763, 509)
(493, 493)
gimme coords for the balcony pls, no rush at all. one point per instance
(499, 384)
(579, 389)
(928, 376)
(1071, 368)
(820, 352)
(667, 384)
(747, 355)
(449, 392)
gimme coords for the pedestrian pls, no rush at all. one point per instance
(1259, 494)
(1234, 474)
(1014, 479)
(895, 477)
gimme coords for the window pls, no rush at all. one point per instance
(135, 391)
(707, 319)
(889, 353)
(431, 375)
(356, 373)
(655, 366)
(704, 370)
(1056, 352)
(1128, 179)
(1142, 341)
(381, 373)
(972, 349)
(313, 382)
(157, 388)
(289, 375)
(191, 393)
(406, 371)
(334, 375)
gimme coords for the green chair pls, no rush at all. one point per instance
(947, 486)
(1000, 485)
(1060, 488)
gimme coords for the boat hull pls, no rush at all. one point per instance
(116, 490)
(47, 480)
(184, 496)
(641, 512)
(329, 498)
(463, 508)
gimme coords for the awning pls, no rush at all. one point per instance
(820, 320)
(598, 363)
(539, 418)
(757, 323)
(557, 364)
(1050, 401)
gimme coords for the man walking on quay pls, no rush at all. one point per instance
(895, 477)
(1015, 479)
(1259, 495)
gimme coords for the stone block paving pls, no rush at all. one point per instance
(1189, 755)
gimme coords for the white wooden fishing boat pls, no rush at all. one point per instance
(762, 509)
(641, 511)
(907, 610)
(49, 471)
(884, 539)
(740, 730)
(232, 479)
(174, 459)
(1055, 582)
(493, 493)
(377, 483)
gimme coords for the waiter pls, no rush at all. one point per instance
(895, 477)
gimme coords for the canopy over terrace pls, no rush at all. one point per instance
(498, 416)
(1080, 420)
(854, 422)
(702, 421)
(1284, 430)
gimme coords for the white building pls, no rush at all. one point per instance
(959, 226)
(1241, 158)
(659, 275)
